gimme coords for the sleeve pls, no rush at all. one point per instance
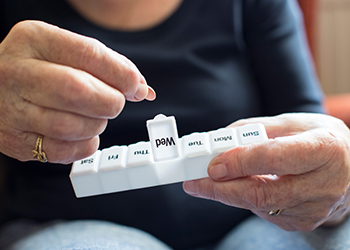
(283, 67)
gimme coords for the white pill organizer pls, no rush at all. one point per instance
(165, 159)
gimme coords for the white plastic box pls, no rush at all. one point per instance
(163, 160)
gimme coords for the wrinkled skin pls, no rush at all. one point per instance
(61, 85)
(304, 169)
(66, 86)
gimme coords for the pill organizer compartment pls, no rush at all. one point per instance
(164, 159)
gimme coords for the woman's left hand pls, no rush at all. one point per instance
(304, 169)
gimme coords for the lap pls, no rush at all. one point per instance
(254, 233)
(92, 235)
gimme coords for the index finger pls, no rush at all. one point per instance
(289, 155)
(63, 47)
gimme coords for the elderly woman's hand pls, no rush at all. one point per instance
(303, 169)
(63, 86)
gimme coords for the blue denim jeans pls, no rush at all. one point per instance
(254, 233)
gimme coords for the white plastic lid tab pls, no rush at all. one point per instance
(163, 137)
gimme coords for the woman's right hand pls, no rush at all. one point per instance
(63, 86)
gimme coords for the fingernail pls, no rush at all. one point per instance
(151, 94)
(141, 92)
(218, 171)
(190, 187)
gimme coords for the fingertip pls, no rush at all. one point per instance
(151, 96)
(141, 93)
(217, 171)
(190, 187)
(144, 92)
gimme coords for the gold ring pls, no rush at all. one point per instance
(37, 152)
(275, 212)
